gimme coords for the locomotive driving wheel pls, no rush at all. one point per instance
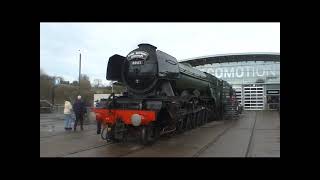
(188, 121)
(200, 118)
(205, 116)
(144, 135)
(180, 125)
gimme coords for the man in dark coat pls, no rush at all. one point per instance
(79, 110)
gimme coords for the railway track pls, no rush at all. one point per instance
(251, 136)
(112, 147)
(243, 143)
(63, 133)
(197, 154)
(129, 149)
(125, 150)
(87, 149)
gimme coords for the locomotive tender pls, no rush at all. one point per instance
(162, 96)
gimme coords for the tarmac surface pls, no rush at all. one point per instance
(255, 134)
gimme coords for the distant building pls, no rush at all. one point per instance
(255, 76)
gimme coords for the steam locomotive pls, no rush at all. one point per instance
(162, 96)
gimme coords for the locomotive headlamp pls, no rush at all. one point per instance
(136, 119)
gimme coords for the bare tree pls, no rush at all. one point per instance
(75, 83)
(97, 83)
(58, 92)
(46, 86)
(84, 77)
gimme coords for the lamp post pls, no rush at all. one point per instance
(54, 81)
(79, 70)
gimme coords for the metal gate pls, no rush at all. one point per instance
(253, 97)
(239, 94)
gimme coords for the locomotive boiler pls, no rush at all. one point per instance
(162, 96)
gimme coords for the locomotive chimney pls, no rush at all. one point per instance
(145, 45)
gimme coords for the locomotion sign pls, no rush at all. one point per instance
(237, 72)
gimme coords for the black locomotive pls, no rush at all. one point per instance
(162, 96)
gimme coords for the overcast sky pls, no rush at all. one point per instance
(60, 42)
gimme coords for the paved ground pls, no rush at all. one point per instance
(255, 134)
(53, 124)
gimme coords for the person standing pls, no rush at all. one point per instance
(79, 110)
(98, 105)
(67, 114)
